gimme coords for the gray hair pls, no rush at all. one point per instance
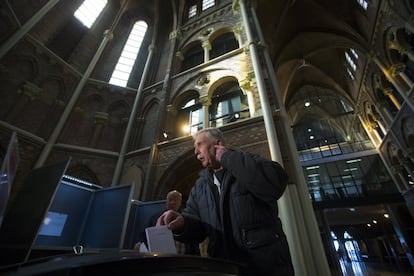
(212, 133)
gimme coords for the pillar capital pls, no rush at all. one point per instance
(238, 28)
(30, 90)
(397, 68)
(175, 34)
(388, 91)
(206, 44)
(152, 48)
(101, 118)
(171, 109)
(246, 84)
(179, 55)
(108, 34)
(204, 100)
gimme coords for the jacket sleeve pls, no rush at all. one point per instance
(193, 228)
(264, 178)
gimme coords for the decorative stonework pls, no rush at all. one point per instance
(101, 118)
(205, 100)
(396, 69)
(30, 90)
(171, 110)
(203, 80)
(179, 55)
(246, 84)
(175, 34)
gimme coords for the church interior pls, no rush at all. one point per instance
(104, 96)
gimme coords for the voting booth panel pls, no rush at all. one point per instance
(141, 216)
(91, 218)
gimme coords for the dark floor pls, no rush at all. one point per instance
(371, 269)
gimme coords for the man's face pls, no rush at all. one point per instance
(173, 202)
(205, 150)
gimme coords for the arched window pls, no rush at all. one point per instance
(207, 4)
(89, 11)
(191, 114)
(223, 44)
(126, 61)
(228, 104)
(193, 57)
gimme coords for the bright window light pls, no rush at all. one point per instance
(89, 11)
(363, 4)
(192, 11)
(351, 75)
(129, 54)
(350, 169)
(350, 61)
(207, 4)
(354, 53)
(353, 161)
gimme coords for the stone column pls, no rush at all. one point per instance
(6, 46)
(246, 86)
(389, 93)
(296, 212)
(389, 75)
(206, 102)
(384, 113)
(124, 146)
(207, 47)
(72, 101)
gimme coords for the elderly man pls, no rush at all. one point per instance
(234, 205)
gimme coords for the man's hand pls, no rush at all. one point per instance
(173, 220)
(220, 149)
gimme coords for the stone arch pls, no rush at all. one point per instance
(147, 123)
(118, 110)
(181, 175)
(26, 67)
(54, 88)
(94, 102)
(219, 82)
(83, 172)
(407, 131)
(223, 41)
(181, 98)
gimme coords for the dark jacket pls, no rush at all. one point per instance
(244, 226)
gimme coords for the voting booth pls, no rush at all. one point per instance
(60, 225)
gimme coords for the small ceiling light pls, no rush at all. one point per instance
(386, 215)
(307, 104)
(369, 224)
(374, 221)
(311, 137)
(309, 130)
(165, 135)
(352, 209)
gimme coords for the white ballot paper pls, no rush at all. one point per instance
(160, 239)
